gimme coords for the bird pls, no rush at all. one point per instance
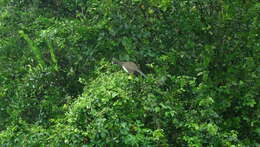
(130, 67)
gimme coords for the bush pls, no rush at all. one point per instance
(58, 87)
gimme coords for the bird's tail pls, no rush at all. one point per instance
(139, 71)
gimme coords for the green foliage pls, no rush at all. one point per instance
(53, 57)
(59, 88)
(108, 106)
(35, 50)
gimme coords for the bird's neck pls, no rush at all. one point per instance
(119, 63)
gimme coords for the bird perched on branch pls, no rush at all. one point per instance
(130, 67)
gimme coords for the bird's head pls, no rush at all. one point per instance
(115, 62)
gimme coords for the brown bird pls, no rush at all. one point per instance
(130, 67)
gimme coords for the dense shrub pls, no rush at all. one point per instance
(59, 88)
